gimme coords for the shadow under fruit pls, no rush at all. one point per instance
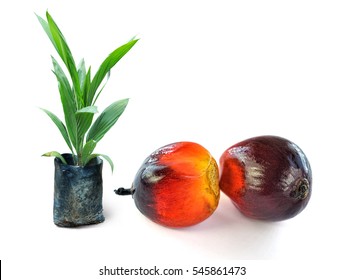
(266, 177)
(177, 185)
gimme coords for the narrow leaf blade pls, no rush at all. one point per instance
(66, 55)
(86, 86)
(88, 150)
(46, 28)
(84, 118)
(55, 154)
(60, 125)
(84, 121)
(88, 109)
(99, 92)
(82, 73)
(106, 66)
(106, 120)
(107, 158)
(68, 102)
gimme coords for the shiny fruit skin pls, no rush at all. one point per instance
(177, 185)
(266, 177)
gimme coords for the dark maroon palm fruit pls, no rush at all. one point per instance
(266, 177)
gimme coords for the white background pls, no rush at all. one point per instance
(212, 72)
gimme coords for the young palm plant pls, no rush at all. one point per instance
(79, 93)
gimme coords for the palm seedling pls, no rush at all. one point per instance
(79, 93)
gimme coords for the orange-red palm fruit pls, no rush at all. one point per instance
(177, 185)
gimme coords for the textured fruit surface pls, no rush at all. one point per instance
(177, 185)
(267, 177)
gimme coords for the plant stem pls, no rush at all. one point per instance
(79, 159)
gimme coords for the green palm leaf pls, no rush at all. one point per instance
(106, 66)
(86, 86)
(68, 103)
(107, 158)
(55, 154)
(106, 120)
(87, 151)
(104, 84)
(84, 119)
(88, 109)
(82, 73)
(46, 28)
(60, 126)
(66, 55)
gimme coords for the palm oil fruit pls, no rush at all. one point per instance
(266, 177)
(177, 185)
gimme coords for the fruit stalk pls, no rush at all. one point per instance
(123, 191)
